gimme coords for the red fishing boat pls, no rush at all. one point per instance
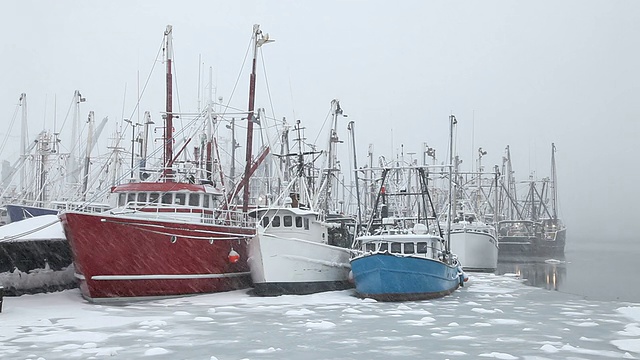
(169, 237)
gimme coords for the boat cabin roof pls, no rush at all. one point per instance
(165, 187)
(401, 238)
(281, 211)
(515, 222)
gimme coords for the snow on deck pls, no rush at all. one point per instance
(36, 228)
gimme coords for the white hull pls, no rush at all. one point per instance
(476, 250)
(294, 265)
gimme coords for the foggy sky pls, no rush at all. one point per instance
(523, 74)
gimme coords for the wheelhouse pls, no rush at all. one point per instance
(423, 245)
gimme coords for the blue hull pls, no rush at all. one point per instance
(21, 212)
(387, 277)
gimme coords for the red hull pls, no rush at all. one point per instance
(119, 257)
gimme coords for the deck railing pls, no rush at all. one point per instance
(190, 214)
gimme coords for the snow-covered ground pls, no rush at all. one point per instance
(493, 317)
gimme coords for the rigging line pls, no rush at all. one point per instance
(8, 134)
(124, 100)
(146, 83)
(175, 80)
(148, 228)
(141, 94)
(266, 80)
(68, 111)
(323, 124)
(28, 232)
(235, 86)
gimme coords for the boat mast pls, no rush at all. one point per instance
(496, 206)
(351, 128)
(452, 121)
(23, 141)
(554, 191)
(168, 126)
(211, 119)
(74, 168)
(87, 160)
(326, 187)
(258, 40)
(144, 146)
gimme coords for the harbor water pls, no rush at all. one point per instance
(576, 307)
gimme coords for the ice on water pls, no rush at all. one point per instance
(493, 317)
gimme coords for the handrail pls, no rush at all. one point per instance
(186, 213)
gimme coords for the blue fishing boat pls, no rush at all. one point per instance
(405, 265)
(401, 253)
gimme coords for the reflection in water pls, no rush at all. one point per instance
(548, 273)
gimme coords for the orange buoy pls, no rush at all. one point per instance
(233, 256)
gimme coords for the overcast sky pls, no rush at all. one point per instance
(523, 74)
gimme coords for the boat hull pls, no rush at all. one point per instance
(118, 257)
(552, 243)
(286, 265)
(476, 250)
(387, 277)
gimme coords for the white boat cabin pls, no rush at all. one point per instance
(414, 242)
(292, 222)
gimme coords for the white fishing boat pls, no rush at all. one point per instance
(474, 242)
(292, 254)
(297, 249)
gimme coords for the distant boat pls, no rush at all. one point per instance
(405, 256)
(475, 243)
(534, 227)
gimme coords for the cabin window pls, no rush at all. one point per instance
(409, 248)
(142, 197)
(288, 220)
(194, 199)
(153, 197)
(298, 221)
(180, 199)
(131, 197)
(396, 248)
(383, 247)
(205, 200)
(265, 221)
(306, 224)
(215, 201)
(422, 247)
(122, 199)
(370, 247)
(166, 198)
(276, 221)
